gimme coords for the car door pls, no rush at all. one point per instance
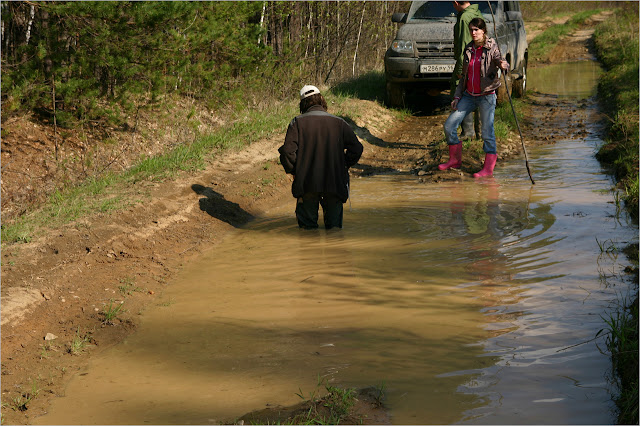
(517, 34)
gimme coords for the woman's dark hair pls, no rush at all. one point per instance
(479, 23)
(312, 100)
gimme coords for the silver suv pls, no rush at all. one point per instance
(421, 56)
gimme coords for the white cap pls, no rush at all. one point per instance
(308, 90)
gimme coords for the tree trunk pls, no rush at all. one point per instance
(31, 15)
(355, 54)
(55, 122)
(264, 7)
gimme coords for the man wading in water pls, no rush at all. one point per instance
(318, 150)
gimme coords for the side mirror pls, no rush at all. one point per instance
(399, 18)
(513, 15)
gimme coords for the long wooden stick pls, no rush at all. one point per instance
(506, 86)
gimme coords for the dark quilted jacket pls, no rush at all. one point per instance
(318, 150)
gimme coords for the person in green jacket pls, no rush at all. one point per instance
(461, 37)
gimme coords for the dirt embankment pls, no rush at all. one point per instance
(57, 289)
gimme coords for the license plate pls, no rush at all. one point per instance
(426, 69)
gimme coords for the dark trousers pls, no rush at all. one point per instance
(307, 210)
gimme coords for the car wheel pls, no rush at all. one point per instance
(502, 95)
(395, 95)
(520, 85)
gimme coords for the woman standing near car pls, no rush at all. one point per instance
(476, 90)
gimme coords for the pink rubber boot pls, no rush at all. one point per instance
(455, 158)
(489, 164)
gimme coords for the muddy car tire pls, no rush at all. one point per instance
(520, 85)
(501, 94)
(395, 95)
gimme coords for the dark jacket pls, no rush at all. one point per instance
(318, 150)
(462, 36)
(489, 65)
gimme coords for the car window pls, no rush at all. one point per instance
(443, 9)
(484, 6)
(431, 10)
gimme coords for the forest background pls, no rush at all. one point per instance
(90, 63)
(105, 79)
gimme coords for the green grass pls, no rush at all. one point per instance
(369, 86)
(21, 402)
(622, 342)
(505, 123)
(108, 193)
(114, 192)
(607, 246)
(45, 349)
(331, 409)
(616, 42)
(128, 286)
(112, 311)
(324, 405)
(20, 231)
(338, 403)
(541, 46)
(78, 344)
(535, 10)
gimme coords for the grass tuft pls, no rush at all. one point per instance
(111, 312)
(331, 409)
(617, 46)
(79, 343)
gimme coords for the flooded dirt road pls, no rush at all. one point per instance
(468, 301)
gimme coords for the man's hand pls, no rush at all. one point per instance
(454, 104)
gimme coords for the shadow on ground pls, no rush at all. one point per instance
(217, 206)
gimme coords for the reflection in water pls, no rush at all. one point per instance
(455, 297)
(568, 79)
(471, 302)
(550, 370)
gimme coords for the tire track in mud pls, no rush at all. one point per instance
(412, 143)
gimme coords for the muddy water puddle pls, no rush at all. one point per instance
(577, 79)
(468, 302)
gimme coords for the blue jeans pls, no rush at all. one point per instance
(467, 104)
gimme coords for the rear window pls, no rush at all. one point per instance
(443, 10)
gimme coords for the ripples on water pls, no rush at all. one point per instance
(470, 302)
